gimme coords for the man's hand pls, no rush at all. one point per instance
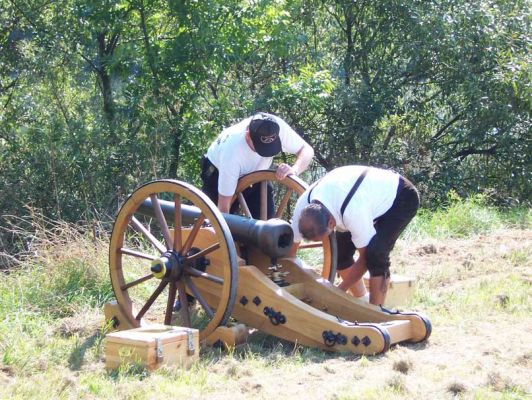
(352, 275)
(283, 170)
(224, 203)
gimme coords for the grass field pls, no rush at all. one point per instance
(473, 268)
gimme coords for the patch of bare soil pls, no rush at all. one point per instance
(466, 257)
(6, 374)
(473, 350)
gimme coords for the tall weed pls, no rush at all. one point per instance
(62, 270)
(463, 217)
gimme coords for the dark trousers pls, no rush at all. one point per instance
(209, 177)
(388, 226)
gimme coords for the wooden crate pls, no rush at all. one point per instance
(400, 291)
(152, 346)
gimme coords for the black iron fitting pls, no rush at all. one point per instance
(276, 317)
(330, 338)
(201, 263)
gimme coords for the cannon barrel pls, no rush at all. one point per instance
(273, 237)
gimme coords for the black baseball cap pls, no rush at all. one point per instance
(264, 132)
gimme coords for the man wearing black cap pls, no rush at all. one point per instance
(246, 147)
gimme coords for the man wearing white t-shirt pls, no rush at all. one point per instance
(246, 147)
(369, 208)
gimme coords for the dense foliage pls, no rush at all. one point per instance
(97, 97)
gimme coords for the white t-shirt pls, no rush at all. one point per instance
(373, 198)
(233, 157)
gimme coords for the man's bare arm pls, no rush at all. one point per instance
(356, 271)
(224, 203)
(304, 157)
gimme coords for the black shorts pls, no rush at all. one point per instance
(388, 226)
(209, 177)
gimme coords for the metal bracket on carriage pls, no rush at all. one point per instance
(277, 276)
(276, 317)
(330, 338)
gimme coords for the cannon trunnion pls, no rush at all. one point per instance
(174, 258)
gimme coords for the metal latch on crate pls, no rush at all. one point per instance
(159, 350)
(190, 344)
(190, 347)
(190, 339)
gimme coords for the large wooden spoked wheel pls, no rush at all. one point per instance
(321, 255)
(158, 260)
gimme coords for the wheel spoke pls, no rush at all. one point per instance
(185, 314)
(170, 303)
(193, 288)
(136, 282)
(142, 229)
(177, 223)
(161, 220)
(134, 253)
(173, 219)
(152, 298)
(198, 274)
(283, 203)
(310, 245)
(244, 205)
(203, 252)
(193, 233)
(264, 200)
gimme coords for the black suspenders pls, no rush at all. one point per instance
(349, 195)
(311, 189)
(352, 191)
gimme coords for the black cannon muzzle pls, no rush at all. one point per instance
(273, 237)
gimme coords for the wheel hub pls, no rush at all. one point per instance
(170, 266)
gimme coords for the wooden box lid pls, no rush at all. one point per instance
(148, 335)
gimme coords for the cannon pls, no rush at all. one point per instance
(274, 237)
(174, 258)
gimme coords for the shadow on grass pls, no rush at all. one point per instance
(415, 346)
(259, 344)
(271, 348)
(132, 370)
(77, 357)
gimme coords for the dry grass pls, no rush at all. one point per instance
(51, 242)
(403, 366)
(476, 292)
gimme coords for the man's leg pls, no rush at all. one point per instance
(378, 287)
(209, 177)
(389, 226)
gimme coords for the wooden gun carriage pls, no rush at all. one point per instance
(176, 259)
